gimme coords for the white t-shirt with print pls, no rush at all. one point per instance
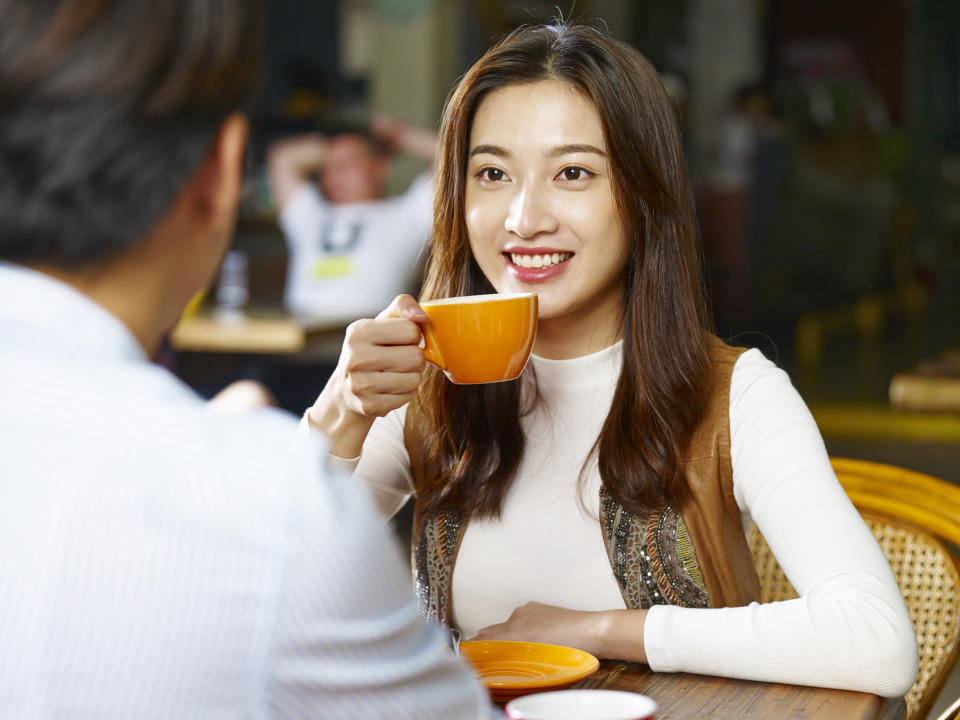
(349, 261)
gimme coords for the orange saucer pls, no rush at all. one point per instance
(510, 669)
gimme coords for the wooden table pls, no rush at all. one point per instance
(259, 330)
(681, 696)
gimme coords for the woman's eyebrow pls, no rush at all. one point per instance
(490, 150)
(553, 152)
(575, 148)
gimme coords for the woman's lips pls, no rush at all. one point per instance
(534, 265)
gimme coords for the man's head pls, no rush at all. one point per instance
(109, 111)
(354, 170)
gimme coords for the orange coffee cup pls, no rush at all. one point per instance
(480, 338)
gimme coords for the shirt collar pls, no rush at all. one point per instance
(583, 370)
(39, 312)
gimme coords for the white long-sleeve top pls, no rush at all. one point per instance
(849, 628)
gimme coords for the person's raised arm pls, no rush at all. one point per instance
(290, 163)
(400, 137)
(379, 370)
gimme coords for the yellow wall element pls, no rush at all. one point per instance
(883, 423)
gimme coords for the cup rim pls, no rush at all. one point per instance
(489, 297)
(515, 709)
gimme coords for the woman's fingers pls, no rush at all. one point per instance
(375, 392)
(391, 346)
(404, 306)
(398, 359)
(382, 332)
(381, 362)
(384, 383)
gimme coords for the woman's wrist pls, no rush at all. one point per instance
(344, 429)
(620, 635)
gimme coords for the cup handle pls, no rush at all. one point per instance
(430, 350)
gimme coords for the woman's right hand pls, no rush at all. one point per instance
(380, 367)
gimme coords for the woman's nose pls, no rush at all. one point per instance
(529, 214)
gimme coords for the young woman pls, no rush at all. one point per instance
(602, 501)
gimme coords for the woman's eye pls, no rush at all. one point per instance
(575, 173)
(491, 174)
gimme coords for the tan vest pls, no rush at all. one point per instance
(694, 556)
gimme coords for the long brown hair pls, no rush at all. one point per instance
(470, 438)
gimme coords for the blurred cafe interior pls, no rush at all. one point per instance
(823, 140)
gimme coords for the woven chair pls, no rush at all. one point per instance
(910, 514)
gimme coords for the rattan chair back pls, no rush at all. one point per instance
(908, 513)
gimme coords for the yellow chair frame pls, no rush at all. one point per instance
(910, 514)
(952, 712)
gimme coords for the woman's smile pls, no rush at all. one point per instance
(533, 265)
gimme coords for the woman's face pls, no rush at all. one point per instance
(541, 213)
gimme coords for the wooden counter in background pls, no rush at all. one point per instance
(930, 386)
(264, 331)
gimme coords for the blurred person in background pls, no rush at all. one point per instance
(159, 560)
(351, 249)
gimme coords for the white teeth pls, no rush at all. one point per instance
(538, 261)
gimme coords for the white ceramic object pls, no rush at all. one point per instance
(582, 705)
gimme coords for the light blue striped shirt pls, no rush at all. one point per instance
(160, 561)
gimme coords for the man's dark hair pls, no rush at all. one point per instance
(362, 130)
(107, 107)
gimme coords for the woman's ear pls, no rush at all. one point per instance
(217, 183)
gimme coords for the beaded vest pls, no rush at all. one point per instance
(693, 556)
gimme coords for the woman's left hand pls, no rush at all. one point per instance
(536, 622)
(605, 634)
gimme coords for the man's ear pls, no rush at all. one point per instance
(217, 184)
